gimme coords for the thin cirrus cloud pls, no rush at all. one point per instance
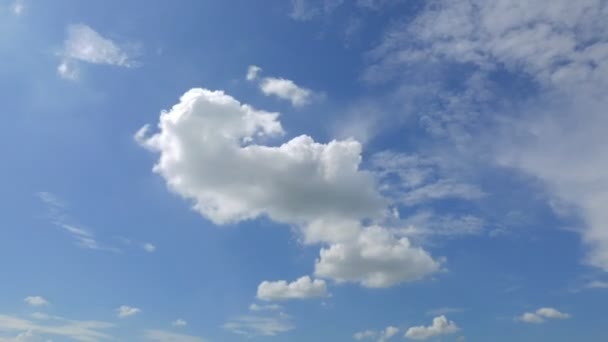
(83, 331)
(535, 41)
(127, 311)
(318, 188)
(253, 326)
(84, 44)
(302, 288)
(282, 88)
(36, 301)
(542, 315)
(440, 326)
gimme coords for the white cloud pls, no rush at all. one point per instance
(375, 258)
(301, 288)
(167, 336)
(179, 323)
(441, 326)
(148, 247)
(282, 88)
(253, 72)
(381, 336)
(541, 314)
(205, 157)
(83, 331)
(68, 70)
(209, 154)
(287, 90)
(126, 311)
(83, 44)
(259, 325)
(36, 301)
(266, 307)
(361, 335)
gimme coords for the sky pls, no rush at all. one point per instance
(303, 170)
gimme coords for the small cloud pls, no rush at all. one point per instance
(253, 72)
(40, 315)
(83, 44)
(18, 7)
(36, 301)
(269, 307)
(541, 315)
(126, 311)
(282, 88)
(67, 70)
(302, 288)
(179, 323)
(148, 247)
(440, 326)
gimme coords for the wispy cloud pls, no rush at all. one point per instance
(259, 325)
(179, 323)
(83, 44)
(83, 331)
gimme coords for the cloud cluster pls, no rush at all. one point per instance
(210, 153)
(558, 50)
(156, 335)
(440, 326)
(541, 315)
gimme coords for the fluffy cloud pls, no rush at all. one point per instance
(440, 326)
(167, 336)
(210, 155)
(541, 314)
(301, 288)
(381, 336)
(259, 325)
(554, 133)
(83, 44)
(207, 155)
(282, 88)
(126, 311)
(375, 258)
(179, 323)
(83, 331)
(36, 301)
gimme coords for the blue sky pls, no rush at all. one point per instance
(304, 170)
